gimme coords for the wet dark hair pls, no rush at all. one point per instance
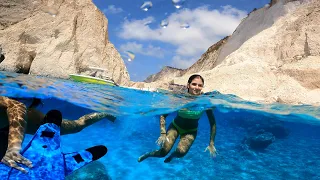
(191, 78)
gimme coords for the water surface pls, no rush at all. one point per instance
(294, 153)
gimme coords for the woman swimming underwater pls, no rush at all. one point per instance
(184, 125)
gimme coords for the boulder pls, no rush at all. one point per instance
(259, 140)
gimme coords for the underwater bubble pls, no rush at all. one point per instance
(146, 5)
(164, 23)
(178, 3)
(184, 25)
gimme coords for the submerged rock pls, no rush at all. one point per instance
(277, 130)
(256, 123)
(93, 171)
(259, 141)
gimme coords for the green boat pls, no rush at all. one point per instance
(91, 78)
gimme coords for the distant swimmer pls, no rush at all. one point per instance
(186, 125)
(16, 120)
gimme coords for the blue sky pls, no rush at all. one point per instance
(132, 29)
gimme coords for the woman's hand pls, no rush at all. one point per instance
(12, 157)
(162, 139)
(212, 150)
(108, 116)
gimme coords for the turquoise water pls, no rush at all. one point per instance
(293, 154)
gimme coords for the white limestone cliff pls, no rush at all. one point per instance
(57, 38)
(272, 56)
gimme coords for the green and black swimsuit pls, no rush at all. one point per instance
(187, 121)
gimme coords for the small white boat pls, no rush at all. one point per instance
(92, 79)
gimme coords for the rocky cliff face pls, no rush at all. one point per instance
(166, 72)
(206, 62)
(56, 38)
(273, 55)
(208, 59)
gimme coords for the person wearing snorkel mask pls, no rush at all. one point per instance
(184, 125)
(19, 116)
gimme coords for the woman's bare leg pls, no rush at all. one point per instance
(74, 126)
(172, 135)
(184, 145)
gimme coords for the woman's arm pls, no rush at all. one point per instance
(212, 122)
(163, 124)
(163, 133)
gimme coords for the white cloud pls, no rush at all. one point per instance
(206, 28)
(140, 49)
(182, 63)
(112, 9)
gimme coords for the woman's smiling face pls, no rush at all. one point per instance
(195, 87)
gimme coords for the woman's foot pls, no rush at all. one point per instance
(168, 159)
(143, 157)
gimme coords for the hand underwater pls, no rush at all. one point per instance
(161, 140)
(212, 150)
(108, 116)
(12, 157)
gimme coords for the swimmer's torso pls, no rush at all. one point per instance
(188, 119)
